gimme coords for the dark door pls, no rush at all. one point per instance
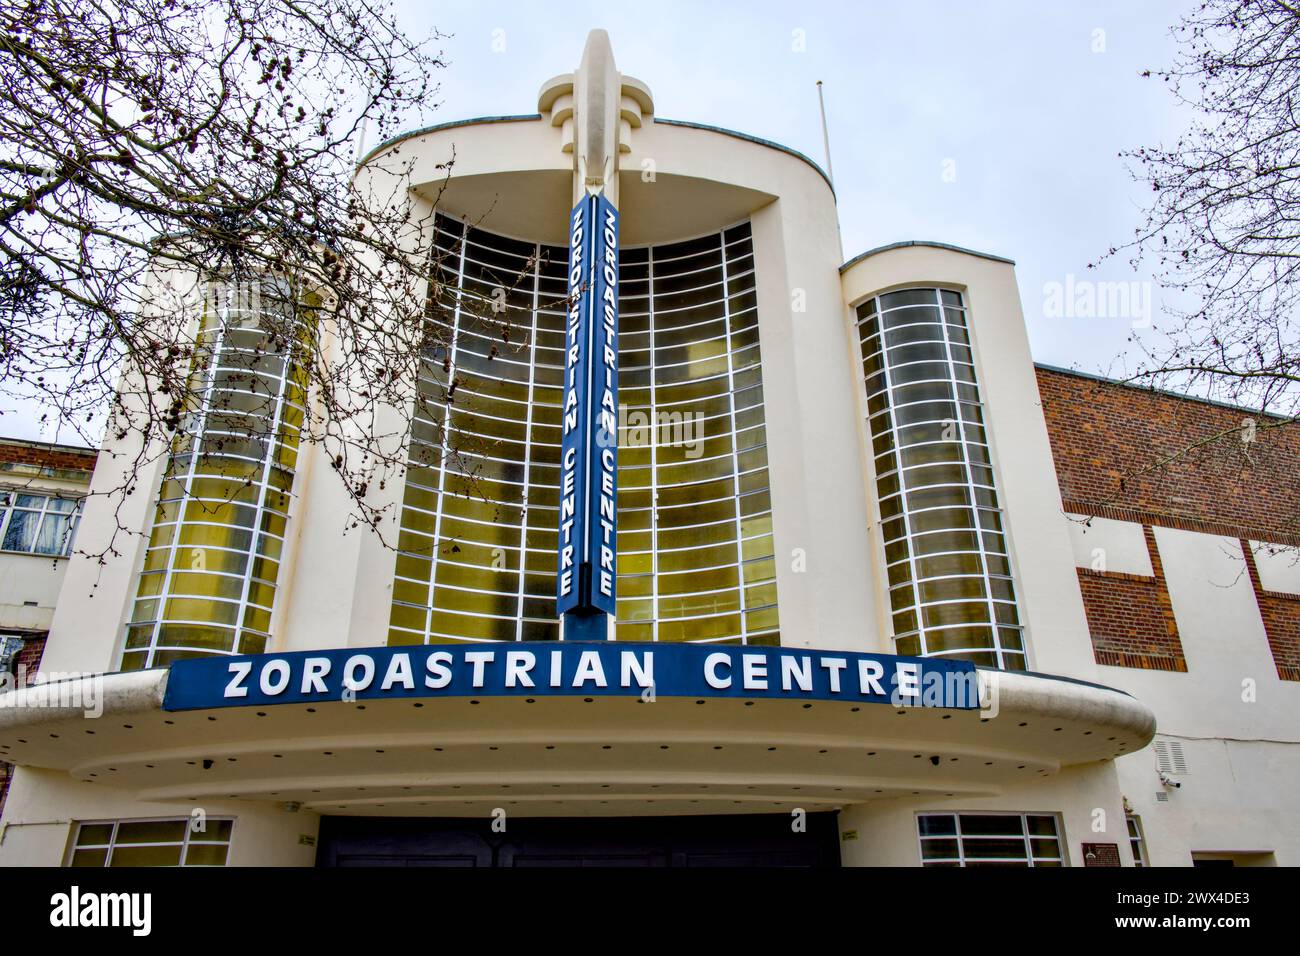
(741, 840)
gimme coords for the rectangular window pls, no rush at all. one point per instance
(1136, 841)
(38, 524)
(167, 842)
(989, 839)
(10, 645)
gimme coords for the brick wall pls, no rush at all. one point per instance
(1281, 614)
(47, 456)
(1131, 618)
(1104, 434)
(1129, 454)
(30, 658)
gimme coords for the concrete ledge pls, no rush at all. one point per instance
(923, 243)
(1105, 709)
(55, 701)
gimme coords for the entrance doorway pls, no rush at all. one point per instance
(740, 840)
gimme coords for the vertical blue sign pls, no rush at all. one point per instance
(572, 541)
(588, 541)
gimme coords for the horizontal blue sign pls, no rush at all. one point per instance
(569, 669)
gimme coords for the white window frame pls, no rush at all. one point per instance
(9, 504)
(968, 463)
(184, 844)
(733, 265)
(1026, 836)
(1137, 840)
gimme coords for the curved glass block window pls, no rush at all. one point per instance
(209, 577)
(989, 839)
(950, 587)
(38, 524)
(477, 550)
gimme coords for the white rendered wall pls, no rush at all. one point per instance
(1119, 547)
(1278, 566)
(88, 625)
(1239, 725)
(1243, 755)
(824, 559)
(1239, 796)
(29, 578)
(336, 586)
(43, 808)
(1086, 798)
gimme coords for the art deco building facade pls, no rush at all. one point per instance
(825, 467)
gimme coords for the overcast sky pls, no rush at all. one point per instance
(992, 125)
(1024, 105)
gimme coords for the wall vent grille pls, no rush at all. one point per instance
(1169, 757)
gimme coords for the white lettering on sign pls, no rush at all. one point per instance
(399, 672)
(572, 410)
(274, 678)
(518, 664)
(711, 665)
(908, 679)
(380, 673)
(644, 669)
(869, 674)
(479, 660)
(358, 672)
(833, 666)
(587, 554)
(608, 421)
(796, 669)
(438, 670)
(239, 671)
(314, 672)
(590, 669)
